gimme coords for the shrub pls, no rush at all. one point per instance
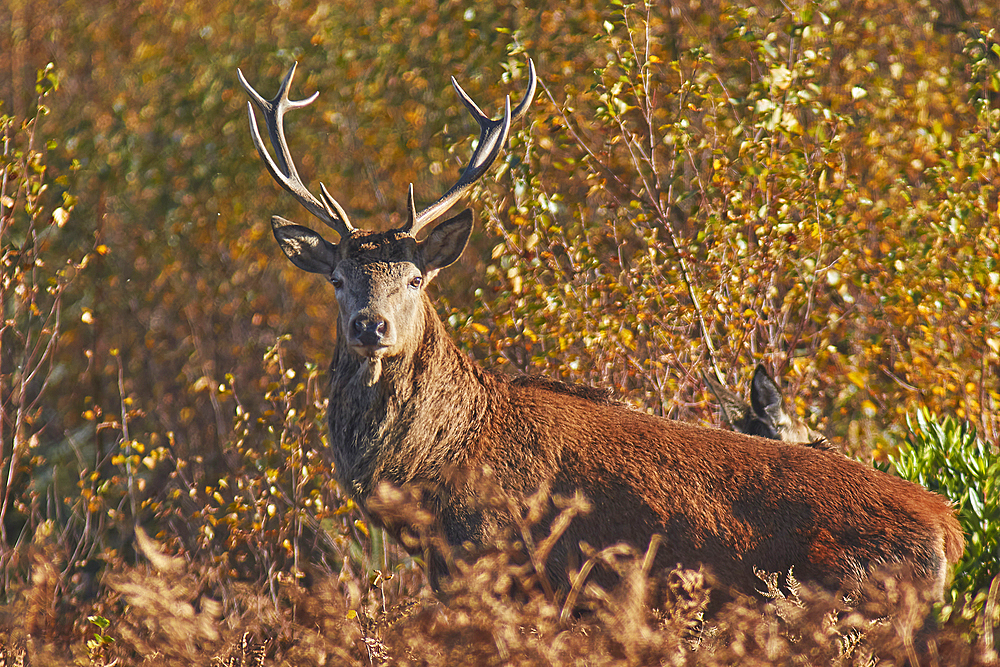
(944, 455)
(38, 264)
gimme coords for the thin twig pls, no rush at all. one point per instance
(662, 218)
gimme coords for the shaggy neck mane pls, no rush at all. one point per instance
(408, 418)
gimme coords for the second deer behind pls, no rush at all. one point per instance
(764, 414)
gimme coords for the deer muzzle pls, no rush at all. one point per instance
(369, 335)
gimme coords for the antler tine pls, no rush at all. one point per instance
(522, 108)
(284, 172)
(411, 212)
(492, 138)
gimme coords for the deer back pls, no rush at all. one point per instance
(733, 502)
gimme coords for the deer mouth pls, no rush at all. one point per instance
(369, 352)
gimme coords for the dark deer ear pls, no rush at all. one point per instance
(765, 398)
(308, 250)
(446, 242)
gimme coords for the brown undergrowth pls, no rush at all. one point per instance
(168, 610)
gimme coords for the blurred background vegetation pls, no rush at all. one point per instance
(699, 186)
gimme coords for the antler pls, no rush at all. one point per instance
(492, 138)
(284, 172)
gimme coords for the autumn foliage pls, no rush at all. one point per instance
(699, 186)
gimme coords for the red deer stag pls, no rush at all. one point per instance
(764, 414)
(408, 408)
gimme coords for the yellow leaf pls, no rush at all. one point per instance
(60, 216)
(781, 77)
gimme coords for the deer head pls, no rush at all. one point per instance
(764, 414)
(379, 277)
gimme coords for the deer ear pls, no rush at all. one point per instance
(446, 242)
(765, 397)
(308, 250)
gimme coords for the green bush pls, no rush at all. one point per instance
(945, 456)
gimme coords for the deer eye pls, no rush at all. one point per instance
(416, 282)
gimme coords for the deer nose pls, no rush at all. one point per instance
(369, 331)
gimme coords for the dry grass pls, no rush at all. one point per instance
(172, 611)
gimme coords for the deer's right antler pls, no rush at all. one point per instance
(492, 138)
(284, 172)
